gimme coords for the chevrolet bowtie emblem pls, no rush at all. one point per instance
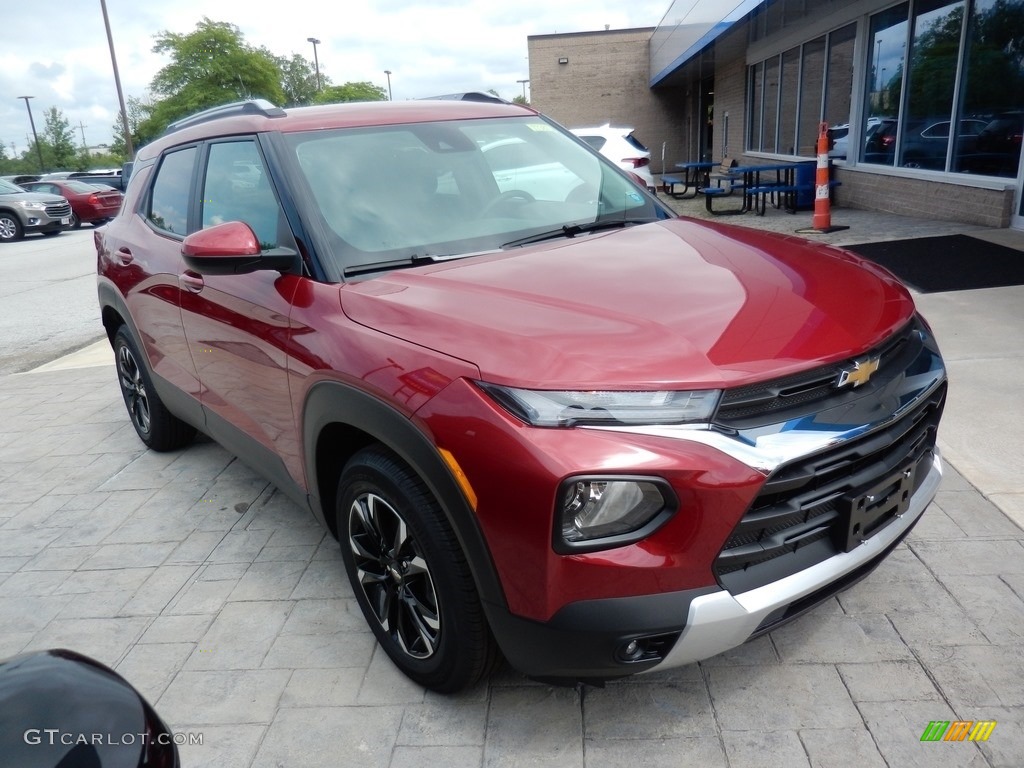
(861, 372)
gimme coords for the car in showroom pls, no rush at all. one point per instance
(565, 427)
(89, 204)
(23, 212)
(622, 147)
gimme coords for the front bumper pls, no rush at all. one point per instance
(586, 641)
(720, 621)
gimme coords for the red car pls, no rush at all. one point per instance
(541, 417)
(89, 204)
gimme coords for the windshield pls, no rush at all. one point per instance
(455, 188)
(6, 188)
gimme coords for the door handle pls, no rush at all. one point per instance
(124, 257)
(192, 282)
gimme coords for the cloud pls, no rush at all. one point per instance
(431, 46)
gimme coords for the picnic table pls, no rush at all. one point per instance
(762, 185)
(694, 175)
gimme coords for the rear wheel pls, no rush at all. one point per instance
(409, 574)
(157, 427)
(10, 228)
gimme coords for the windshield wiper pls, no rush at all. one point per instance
(571, 230)
(416, 260)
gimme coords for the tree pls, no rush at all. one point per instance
(298, 79)
(361, 91)
(138, 112)
(56, 142)
(212, 65)
(520, 100)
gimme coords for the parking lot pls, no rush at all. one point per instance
(228, 608)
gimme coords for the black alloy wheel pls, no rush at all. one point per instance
(157, 427)
(409, 575)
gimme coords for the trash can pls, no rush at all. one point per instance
(805, 179)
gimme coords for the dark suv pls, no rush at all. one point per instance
(541, 414)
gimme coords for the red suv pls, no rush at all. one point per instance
(541, 414)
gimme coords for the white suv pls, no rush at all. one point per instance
(620, 146)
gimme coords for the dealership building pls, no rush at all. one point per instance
(924, 99)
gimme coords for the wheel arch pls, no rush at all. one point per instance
(339, 420)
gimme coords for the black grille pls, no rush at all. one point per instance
(808, 389)
(798, 518)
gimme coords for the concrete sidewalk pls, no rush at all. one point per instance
(228, 607)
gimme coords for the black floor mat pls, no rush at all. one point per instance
(948, 263)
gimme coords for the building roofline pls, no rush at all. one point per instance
(591, 33)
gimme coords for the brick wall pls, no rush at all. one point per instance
(926, 199)
(606, 80)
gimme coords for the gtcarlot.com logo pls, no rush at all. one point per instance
(958, 730)
(54, 736)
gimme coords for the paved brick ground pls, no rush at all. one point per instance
(227, 606)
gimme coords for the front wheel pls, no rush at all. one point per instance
(409, 575)
(76, 223)
(10, 228)
(157, 427)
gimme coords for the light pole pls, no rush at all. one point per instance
(524, 82)
(128, 148)
(316, 61)
(388, 73)
(39, 150)
(878, 57)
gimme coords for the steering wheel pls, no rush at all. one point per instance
(519, 195)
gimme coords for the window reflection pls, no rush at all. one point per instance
(888, 39)
(993, 88)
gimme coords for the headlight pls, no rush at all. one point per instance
(551, 408)
(31, 205)
(602, 512)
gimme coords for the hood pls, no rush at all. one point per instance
(675, 304)
(33, 197)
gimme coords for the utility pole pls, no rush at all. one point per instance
(128, 148)
(39, 149)
(82, 129)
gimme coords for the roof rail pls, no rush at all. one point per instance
(250, 107)
(468, 96)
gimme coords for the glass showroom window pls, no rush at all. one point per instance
(956, 102)
(887, 51)
(790, 94)
(992, 89)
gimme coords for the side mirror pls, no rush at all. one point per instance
(233, 249)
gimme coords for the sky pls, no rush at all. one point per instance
(60, 55)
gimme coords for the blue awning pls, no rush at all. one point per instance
(688, 28)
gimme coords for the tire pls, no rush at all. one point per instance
(76, 223)
(10, 228)
(409, 575)
(157, 427)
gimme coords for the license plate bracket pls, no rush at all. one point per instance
(865, 512)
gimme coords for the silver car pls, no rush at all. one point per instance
(22, 212)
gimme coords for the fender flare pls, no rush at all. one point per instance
(333, 402)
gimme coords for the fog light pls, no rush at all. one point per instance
(612, 511)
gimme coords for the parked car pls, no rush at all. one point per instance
(839, 136)
(620, 146)
(61, 709)
(998, 145)
(926, 143)
(89, 204)
(22, 212)
(586, 433)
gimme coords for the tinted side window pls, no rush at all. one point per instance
(237, 189)
(168, 201)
